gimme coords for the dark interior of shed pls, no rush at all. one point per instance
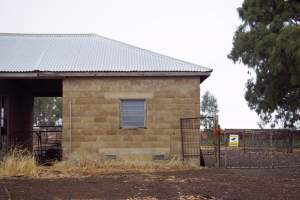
(17, 108)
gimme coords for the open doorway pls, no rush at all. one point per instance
(18, 123)
(47, 129)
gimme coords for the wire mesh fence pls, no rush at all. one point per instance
(47, 144)
(261, 149)
(234, 148)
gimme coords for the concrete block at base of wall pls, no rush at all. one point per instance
(135, 153)
(193, 160)
(121, 153)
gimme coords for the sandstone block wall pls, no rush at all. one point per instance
(91, 115)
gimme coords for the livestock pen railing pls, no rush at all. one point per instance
(43, 141)
(47, 143)
(253, 148)
(261, 148)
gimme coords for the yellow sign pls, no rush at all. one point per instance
(233, 140)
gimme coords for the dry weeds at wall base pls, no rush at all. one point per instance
(22, 164)
(85, 163)
(18, 163)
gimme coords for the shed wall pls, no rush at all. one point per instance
(91, 115)
(19, 112)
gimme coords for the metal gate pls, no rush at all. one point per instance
(47, 144)
(198, 143)
(272, 148)
(45, 141)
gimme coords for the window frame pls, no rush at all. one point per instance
(120, 113)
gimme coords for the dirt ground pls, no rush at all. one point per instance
(195, 184)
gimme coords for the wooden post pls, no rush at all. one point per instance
(217, 133)
(291, 141)
(182, 138)
(70, 128)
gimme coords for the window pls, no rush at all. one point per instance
(132, 113)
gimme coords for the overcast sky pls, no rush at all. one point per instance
(197, 31)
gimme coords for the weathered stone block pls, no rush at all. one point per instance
(91, 113)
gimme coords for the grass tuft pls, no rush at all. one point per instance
(18, 163)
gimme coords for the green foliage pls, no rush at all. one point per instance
(268, 42)
(47, 111)
(209, 108)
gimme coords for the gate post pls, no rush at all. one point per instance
(182, 141)
(291, 141)
(217, 133)
(272, 150)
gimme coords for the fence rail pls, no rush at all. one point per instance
(47, 144)
(44, 142)
(270, 148)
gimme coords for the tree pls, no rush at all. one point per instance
(47, 111)
(209, 108)
(268, 42)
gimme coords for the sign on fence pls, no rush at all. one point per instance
(233, 140)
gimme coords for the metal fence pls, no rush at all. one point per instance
(47, 144)
(261, 149)
(44, 142)
(271, 148)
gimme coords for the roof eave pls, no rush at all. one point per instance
(61, 75)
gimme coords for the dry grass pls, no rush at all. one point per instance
(18, 163)
(22, 163)
(92, 164)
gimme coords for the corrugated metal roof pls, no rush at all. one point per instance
(82, 53)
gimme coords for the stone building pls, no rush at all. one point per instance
(118, 99)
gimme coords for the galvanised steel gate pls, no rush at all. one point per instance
(271, 148)
(199, 143)
(47, 144)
